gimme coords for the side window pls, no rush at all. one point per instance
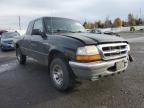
(29, 29)
(38, 25)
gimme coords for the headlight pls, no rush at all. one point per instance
(88, 53)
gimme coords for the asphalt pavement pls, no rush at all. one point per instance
(29, 86)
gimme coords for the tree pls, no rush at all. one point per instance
(85, 24)
(108, 23)
(143, 22)
(88, 25)
(96, 24)
(139, 21)
(131, 20)
(124, 23)
(117, 22)
(100, 24)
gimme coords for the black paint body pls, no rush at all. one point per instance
(40, 47)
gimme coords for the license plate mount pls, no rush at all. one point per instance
(120, 65)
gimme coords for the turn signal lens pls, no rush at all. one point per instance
(88, 57)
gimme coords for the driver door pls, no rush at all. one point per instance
(37, 43)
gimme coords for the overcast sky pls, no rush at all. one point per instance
(81, 10)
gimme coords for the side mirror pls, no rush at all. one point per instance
(36, 32)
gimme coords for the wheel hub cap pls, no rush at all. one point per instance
(58, 75)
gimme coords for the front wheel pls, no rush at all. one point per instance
(60, 74)
(20, 57)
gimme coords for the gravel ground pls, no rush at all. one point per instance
(29, 86)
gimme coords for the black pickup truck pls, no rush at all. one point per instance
(70, 52)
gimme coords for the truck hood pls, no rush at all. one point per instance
(89, 38)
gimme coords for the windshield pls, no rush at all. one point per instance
(55, 25)
(10, 35)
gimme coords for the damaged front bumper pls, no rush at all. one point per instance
(95, 70)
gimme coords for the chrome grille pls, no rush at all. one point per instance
(113, 50)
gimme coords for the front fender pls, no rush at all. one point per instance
(69, 53)
(65, 45)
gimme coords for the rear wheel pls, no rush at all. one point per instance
(20, 57)
(61, 75)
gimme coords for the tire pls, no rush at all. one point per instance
(61, 74)
(20, 57)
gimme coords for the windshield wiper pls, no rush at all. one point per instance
(66, 31)
(58, 31)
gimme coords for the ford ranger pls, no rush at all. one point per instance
(70, 52)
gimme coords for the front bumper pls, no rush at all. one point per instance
(94, 70)
(7, 46)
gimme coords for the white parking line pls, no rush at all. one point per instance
(8, 66)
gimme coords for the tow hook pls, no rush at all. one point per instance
(131, 59)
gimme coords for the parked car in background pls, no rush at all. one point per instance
(8, 40)
(88, 30)
(111, 33)
(97, 31)
(100, 31)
